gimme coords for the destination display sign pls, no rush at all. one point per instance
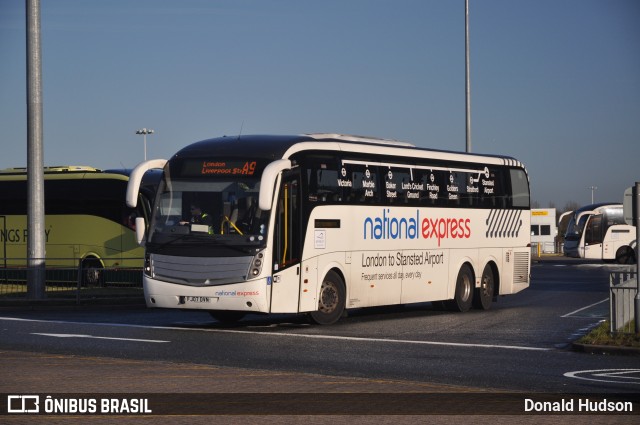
(219, 167)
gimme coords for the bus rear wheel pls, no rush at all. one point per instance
(625, 255)
(463, 297)
(331, 300)
(483, 296)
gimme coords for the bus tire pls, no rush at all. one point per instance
(483, 296)
(227, 316)
(331, 300)
(625, 255)
(463, 298)
(92, 272)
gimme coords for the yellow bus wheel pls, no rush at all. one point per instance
(92, 272)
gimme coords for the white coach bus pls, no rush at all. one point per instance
(321, 223)
(599, 232)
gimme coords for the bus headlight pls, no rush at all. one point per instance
(256, 264)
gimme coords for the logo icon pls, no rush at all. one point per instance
(23, 404)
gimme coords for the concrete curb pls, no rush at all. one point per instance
(606, 349)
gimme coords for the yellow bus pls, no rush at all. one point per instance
(87, 222)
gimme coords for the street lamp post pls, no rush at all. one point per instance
(467, 77)
(593, 189)
(144, 132)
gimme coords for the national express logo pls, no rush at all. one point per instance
(388, 227)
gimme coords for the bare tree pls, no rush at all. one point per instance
(570, 206)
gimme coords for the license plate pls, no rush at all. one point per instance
(198, 300)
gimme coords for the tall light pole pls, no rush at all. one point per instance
(144, 132)
(593, 189)
(36, 249)
(467, 76)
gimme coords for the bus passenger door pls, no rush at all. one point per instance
(285, 290)
(593, 236)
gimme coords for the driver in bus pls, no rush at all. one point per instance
(197, 216)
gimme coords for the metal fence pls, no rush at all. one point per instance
(538, 249)
(74, 284)
(622, 293)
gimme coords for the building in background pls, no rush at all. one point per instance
(544, 229)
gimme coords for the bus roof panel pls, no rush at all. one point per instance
(278, 147)
(54, 169)
(261, 146)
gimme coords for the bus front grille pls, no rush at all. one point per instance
(200, 271)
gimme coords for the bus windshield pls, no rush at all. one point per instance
(209, 210)
(575, 228)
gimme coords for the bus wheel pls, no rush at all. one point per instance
(331, 300)
(227, 316)
(463, 297)
(625, 255)
(92, 272)
(483, 296)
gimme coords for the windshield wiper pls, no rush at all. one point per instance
(207, 239)
(179, 238)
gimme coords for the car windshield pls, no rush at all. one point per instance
(208, 212)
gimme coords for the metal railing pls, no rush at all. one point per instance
(538, 249)
(622, 293)
(79, 284)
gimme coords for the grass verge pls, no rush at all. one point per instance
(600, 335)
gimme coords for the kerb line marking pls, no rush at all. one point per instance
(584, 308)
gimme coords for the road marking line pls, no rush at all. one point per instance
(584, 308)
(97, 337)
(617, 376)
(397, 341)
(291, 335)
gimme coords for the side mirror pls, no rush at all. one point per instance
(140, 230)
(268, 182)
(135, 178)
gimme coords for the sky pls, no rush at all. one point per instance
(554, 83)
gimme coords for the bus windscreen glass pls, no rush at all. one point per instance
(210, 204)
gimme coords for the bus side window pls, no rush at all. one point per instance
(328, 190)
(395, 182)
(492, 192)
(365, 185)
(322, 182)
(456, 181)
(519, 188)
(434, 184)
